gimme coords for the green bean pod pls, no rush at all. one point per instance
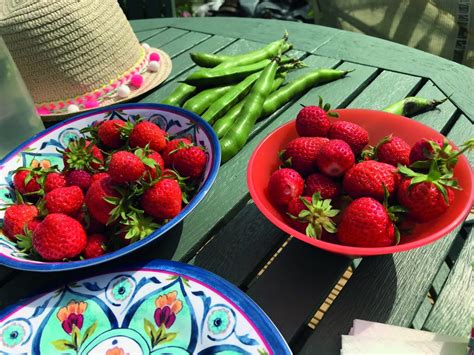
(208, 60)
(229, 99)
(299, 86)
(224, 123)
(200, 102)
(411, 106)
(179, 95)
(237, 136)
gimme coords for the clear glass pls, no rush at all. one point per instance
(18, 118)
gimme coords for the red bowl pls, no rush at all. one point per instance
(264, 162)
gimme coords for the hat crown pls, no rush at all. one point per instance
(65, 48)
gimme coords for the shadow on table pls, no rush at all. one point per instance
(370, 294)
(27, 284)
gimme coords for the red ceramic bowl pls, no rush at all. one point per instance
(264, 162)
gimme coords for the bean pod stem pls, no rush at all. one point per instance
(411, 106)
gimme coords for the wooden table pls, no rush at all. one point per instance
(227, 235)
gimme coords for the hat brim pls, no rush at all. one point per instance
(150, 81)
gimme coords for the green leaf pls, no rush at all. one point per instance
(89, 331)
(304, 213)
(310, 231)
(327, 107)
(63, 344)
(332, 114)
(320, 104)
(397, 236)
(168, 337)
(149, 328)
(76, 336)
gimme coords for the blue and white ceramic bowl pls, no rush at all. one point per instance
(42, 150)
(158, 308)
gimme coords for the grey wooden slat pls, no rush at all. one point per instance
(144, 35)
(386, 89)
(422, 314)
(166, 36)
(386, 289)
(452, 312)
(440, 279)
(183, 43)
(240, 248)
(295, 285)
(461, 132)
(442, 115)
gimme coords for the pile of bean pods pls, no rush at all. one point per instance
(233, 92)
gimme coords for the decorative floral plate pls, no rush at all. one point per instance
(160, 308)
(42, 150)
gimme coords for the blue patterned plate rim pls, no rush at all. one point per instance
(62, 266)
(254, 315)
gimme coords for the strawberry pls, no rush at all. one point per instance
(160, 164)
(79, 178)
(149, 134)
(188, 160)
(26, 181)
(351, 133)
(109, 133)
(153, 162)
(423, 149)
(326, 186)
(163, 200)
(97, 205)
(16, 218)
(82, 155)
(59, 237)
(65, 200)
(95, 246)
(366, 223)
(98, 176)
(313, 121)
(391, 150)
(171, 146)
(368, 178)
(312, 215)
(125, 167)
(426, 196)
(300, 153)
(54, 181)
(335, 158)
(284, 185)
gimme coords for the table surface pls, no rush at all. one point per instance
(227, 235)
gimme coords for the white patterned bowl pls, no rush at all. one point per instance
(43, 148)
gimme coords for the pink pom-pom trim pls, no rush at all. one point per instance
(154, 57)
(137, 80)
(79, 100)
(43, 111)
(61, 105)
(91, 103)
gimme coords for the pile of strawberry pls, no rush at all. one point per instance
(120, 182)
(331, 188)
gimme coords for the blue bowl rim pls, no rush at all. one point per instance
(62, 266)
(224, 288)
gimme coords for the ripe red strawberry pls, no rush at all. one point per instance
(189, 160)
(16, 217)
(31, 179)
(147, 133)
(59, 237)
(95, 246)
(301, 153)
(423, 149)
(79, 178)
(171, 146)
(83, 155)
(33, 224)
(335, 158)
(96, 204)
(326, 186)
(125, 167)
(109, 133)
(390, 150)
(98, 176)
(367, 179)
(312, 121)
(163, 200)
(311, 215)
(284, 185)
(366, 223)
(351, 133)
(160, 165)
(54, 181)
(66, 200)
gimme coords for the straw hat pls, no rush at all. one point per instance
(75, 55)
